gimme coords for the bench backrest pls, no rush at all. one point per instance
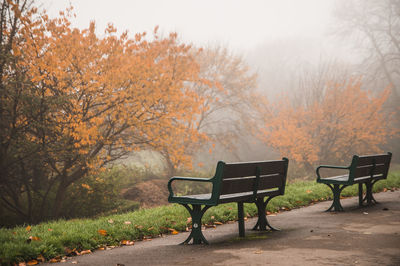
(370, 165)
(253, 176)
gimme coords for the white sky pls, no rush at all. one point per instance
(239, 24)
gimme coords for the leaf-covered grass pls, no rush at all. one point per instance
(58, 238)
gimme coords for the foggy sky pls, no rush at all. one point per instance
(240, 25)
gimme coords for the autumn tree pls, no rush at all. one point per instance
(345, 120)
(90, 101)
(225, 93)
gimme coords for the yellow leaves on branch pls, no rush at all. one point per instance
(109, 95)
(346, 120)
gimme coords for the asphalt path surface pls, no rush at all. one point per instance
(308, 236)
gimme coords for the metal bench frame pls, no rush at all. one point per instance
(367, 169)
(249, 182)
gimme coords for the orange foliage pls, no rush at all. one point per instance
(346, 121)
(102, 97)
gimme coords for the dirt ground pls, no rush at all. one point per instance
(308, 236)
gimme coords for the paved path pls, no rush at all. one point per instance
(309, 236)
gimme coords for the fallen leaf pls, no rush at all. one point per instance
(385, 189)
(83, 252)
(308, 191)
(54, 260)
(210, 226)
(32, 262)
(173, 231)
(102, 232)
(138, 226)
(111, 221)
(34, 238)
(127, 243)
(49, 229)
(22, 264)
(189, 220)
(14, 233)
(365, 212)
(41, 258)
(258, 252)
(212, 217)
(127, 222)
(74, 262)
(150, 228)
(28, 228)
(218, 223)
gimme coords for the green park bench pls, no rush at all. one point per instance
(249, 182)
(366, 170)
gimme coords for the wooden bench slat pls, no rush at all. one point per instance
(270, 181)
(237, 185)
(367, 170)
(371, 159)
(237, 170)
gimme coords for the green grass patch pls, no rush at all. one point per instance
(58, 238)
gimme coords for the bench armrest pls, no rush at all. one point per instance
(195, 179)
(330, 167)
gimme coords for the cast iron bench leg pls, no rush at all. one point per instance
(196, 212)
(369, 197)
(336, 190)
(360, 194)
(262, 221)
(241, 219)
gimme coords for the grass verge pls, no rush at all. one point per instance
(53, 240)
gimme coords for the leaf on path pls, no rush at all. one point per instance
(127, 242)
(173, 231)
(218, 223)
(210, 226)
(56, 259)
(22, 264)
(102, 232)
(41, 258)
(83, 252)
(32, 262)
(258, 252)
